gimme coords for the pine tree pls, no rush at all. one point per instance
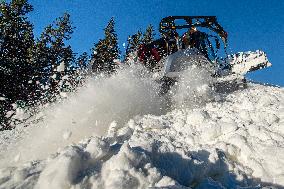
(79, 70)
(16, 41)
(83, 61)
(16, 70)
(106, 51)
(133, 43)
(51, 55)
(148, 36)
(51, 44)
(26, 64)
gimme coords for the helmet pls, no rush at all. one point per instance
(193, 29)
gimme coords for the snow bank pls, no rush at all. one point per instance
(235, 142)
(103, 103)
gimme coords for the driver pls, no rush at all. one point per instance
(172, 39)
(194, 38)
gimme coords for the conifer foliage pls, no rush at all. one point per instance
(149, 34)
(83, 61)
(52, 56)
(16, 41)
(106, 51)
(134, 42)
(51, 44)
(31, 70)
(37, 71)
(16, 70)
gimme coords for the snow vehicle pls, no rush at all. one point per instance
(200, 45)
(152, 53)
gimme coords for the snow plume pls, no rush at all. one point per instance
(101, 103)
(194, 88)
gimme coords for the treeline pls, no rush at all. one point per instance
(36, 71)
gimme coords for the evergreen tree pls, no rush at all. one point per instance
(16, 69)
(51, 48)
(79, 71)
(28, 68)
(51, 55)
(148, 36)
(106, 51)
(83, 61)
(133, 43)
(16, 41)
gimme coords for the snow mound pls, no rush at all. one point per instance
(234, 142)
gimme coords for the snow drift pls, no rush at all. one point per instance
(209, 140)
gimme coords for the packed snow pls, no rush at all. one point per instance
(118, 132)
(257, 60)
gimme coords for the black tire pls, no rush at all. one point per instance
(166, 84)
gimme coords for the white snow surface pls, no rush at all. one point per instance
(243, 62)
(118, 132)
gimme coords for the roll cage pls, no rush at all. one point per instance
(169, 24)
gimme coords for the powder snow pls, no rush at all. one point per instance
(118, 132)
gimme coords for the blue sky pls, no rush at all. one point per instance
(251, 24)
